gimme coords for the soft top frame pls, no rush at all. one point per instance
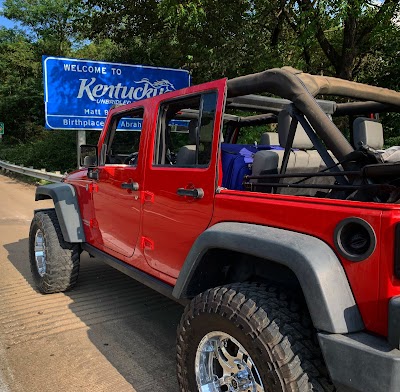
(301, 89)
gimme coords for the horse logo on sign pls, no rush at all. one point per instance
(161, 86)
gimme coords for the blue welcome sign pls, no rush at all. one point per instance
(78, 93)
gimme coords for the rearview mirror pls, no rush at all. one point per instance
(88, 156)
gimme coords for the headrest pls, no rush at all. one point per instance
(369, 132)
(269, 139)
(301, 140)
(193, 130)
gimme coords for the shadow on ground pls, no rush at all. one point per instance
(133, 326)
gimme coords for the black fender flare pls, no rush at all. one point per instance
(67, 209)
(320, 274)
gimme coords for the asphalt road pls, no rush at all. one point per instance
(109, 333)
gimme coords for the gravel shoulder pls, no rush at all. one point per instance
(109, 333)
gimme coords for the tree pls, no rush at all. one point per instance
(352, 39)
(211, 38)
(347, 31)
(21, 91)
(49, 21)
(221, 38)
(132, 27)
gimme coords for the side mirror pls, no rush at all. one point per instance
(88, 156)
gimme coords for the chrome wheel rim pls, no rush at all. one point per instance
(40, 253)
(223, 364)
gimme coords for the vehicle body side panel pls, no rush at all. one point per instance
(318, 270)
(318, 218)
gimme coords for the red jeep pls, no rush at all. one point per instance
(285, 250)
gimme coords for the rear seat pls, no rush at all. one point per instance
(302, 159)
(367, 131)
(236, 163)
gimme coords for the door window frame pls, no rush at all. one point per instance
(112, 129)
(161, 121)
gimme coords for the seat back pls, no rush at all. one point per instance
(269, 139)
(186, 155)
(302, 159)
(369, 132)
(300, 141)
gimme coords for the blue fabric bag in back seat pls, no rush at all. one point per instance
(236, 163)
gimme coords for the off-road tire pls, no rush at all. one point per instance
(62, 258)
(274, 329)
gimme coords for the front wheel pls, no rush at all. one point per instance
(248, 337)
(54, 262)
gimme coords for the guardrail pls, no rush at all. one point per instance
(29, 171)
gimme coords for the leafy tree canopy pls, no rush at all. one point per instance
(352, 39)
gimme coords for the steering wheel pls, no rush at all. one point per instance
(170, 157)
(131, 159)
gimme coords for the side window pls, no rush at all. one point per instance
(185, 131)
(124, 138)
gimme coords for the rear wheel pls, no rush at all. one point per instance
(222, 363)
(54, 262)
(248, 337)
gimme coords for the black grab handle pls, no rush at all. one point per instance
(133, 186)
(197, 193)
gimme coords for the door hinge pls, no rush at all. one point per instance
(220, 189)
(93, 224)
(92, 188)
(146, 196)
(146, 243)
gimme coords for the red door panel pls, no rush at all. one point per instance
(116, 193)
(116, 210)
(172, 222)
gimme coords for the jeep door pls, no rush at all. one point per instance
(116, 202)
(181, 174)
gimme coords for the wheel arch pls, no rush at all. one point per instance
(67, 209)
(313, 263)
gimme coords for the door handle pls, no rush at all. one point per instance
(197, 193)
(132, 186)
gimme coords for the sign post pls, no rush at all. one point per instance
(80, 140)
(1, 131)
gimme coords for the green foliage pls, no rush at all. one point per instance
(104, 50)
(345, 32)
(212, 39)
(352, 39)
(252, 135)
(49, 21)
(56, 151)
(21, 91)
